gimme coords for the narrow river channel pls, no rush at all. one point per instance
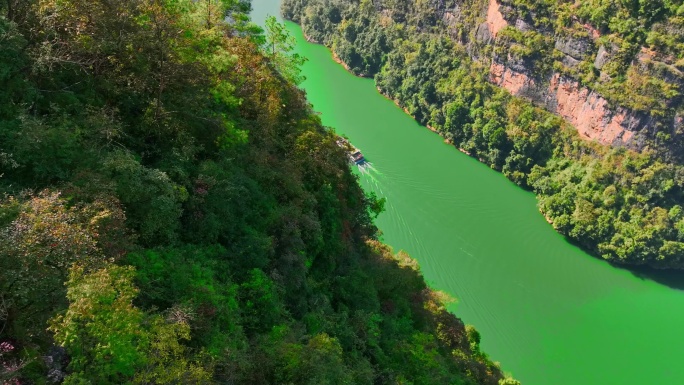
(550, 313)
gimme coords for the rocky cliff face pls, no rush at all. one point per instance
(559, 89)
(589, 112)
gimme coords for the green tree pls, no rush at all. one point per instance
(42, 238)
(278, 47)
(101, 329)
(110, 341)
(318, 362)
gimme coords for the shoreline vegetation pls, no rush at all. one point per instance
(173, 211)
(616, 204)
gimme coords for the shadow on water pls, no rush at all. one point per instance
(673, 279)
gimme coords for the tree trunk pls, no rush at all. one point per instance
(10, 10)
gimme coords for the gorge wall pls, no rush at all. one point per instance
(594, 115)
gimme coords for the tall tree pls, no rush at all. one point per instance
(278, 47)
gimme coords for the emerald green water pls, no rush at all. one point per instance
(550, 313)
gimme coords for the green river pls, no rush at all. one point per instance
(550, 313)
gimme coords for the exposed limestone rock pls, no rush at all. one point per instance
(483, 34)
(56, 362)
(570, 61)
(645, 55)
(590, 113)
(495, 20)
(602, 57)
(513, 81)
(593, 32)
(669, 73)
(451, 21)
(576, 48)
(522, 25)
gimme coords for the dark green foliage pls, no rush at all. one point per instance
(615, 207)
(175, 213)
(189, 282)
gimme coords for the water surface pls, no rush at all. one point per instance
(550, 313)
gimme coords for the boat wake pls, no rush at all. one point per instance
(367, 168)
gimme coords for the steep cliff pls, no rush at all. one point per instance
(615, 94)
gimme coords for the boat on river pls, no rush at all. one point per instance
(354, 154)
(357, 158)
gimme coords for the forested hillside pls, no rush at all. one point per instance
(174, 213)
(442, 61)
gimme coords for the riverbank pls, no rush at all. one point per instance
(346, 66)
(429, 127)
